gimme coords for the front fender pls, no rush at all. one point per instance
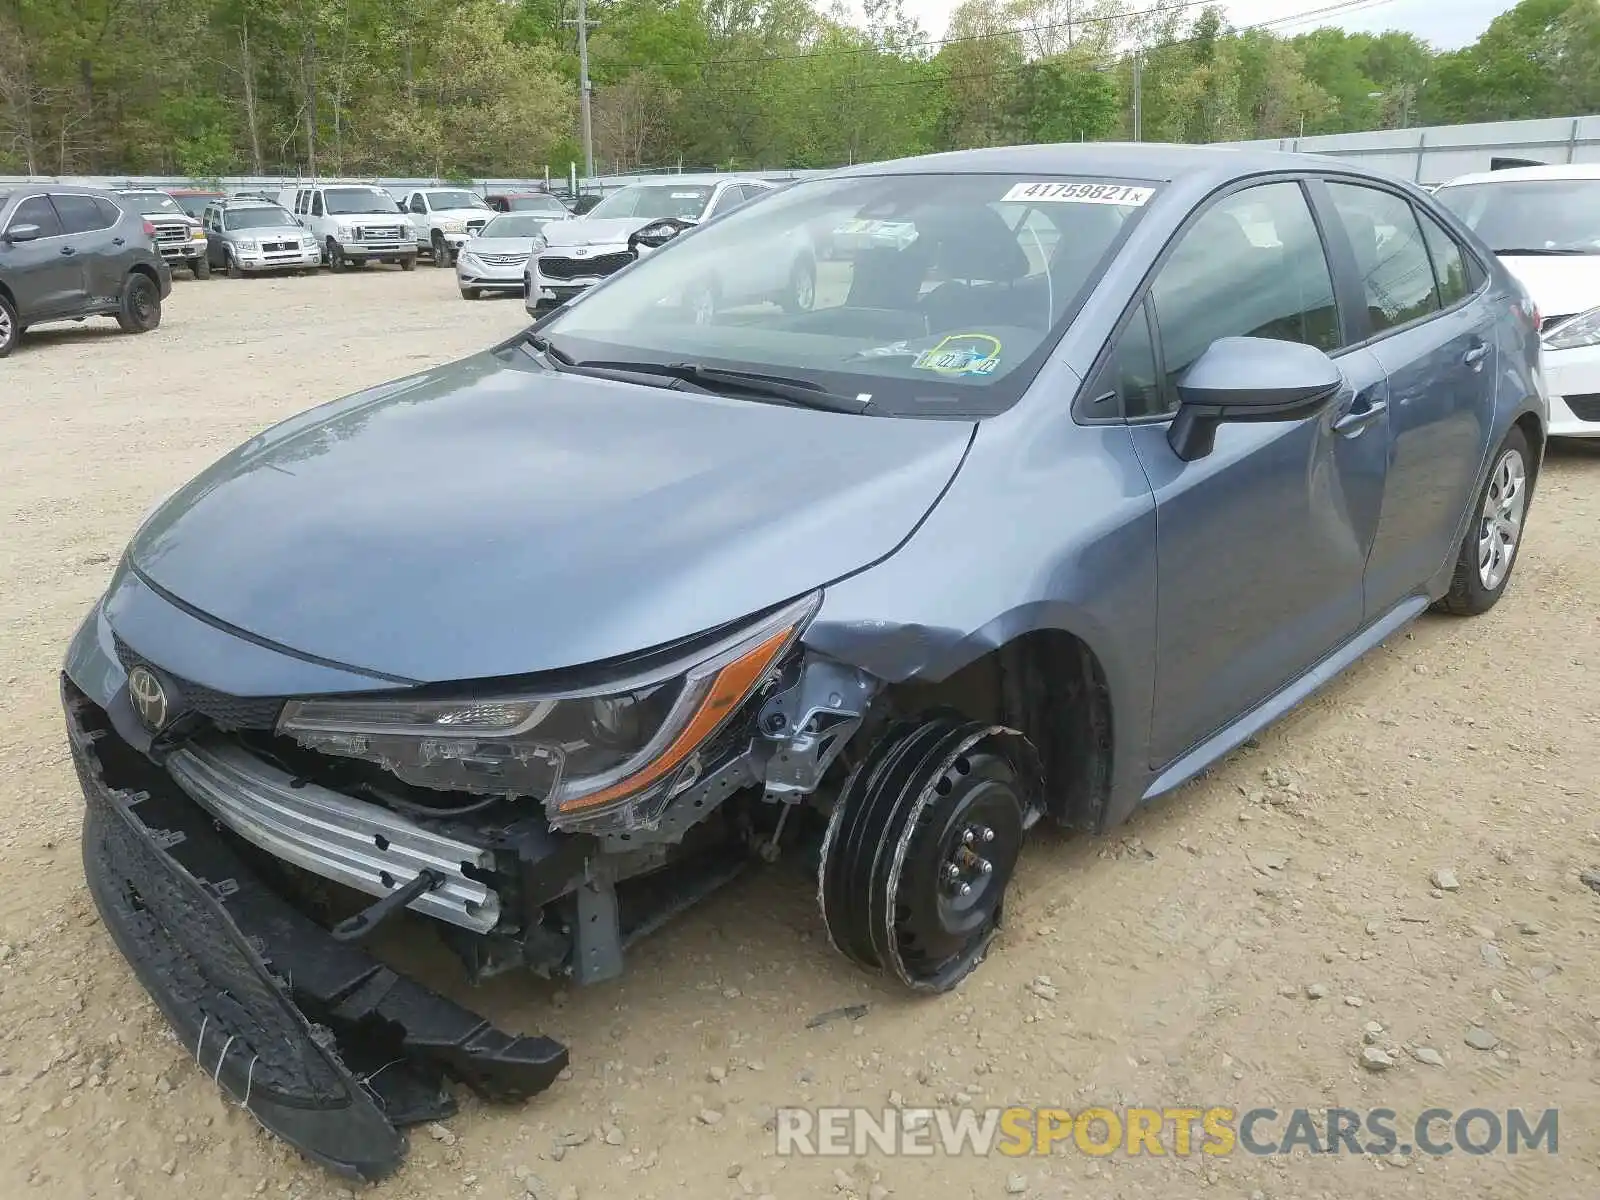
(1047, 526)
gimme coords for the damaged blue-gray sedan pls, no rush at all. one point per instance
(1071, 469)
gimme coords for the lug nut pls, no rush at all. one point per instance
(985, 866)
(966, 889)
(968, 836)
(986, 834)
(951, 872)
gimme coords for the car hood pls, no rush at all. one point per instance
(586, 232)
(499, 245)
(1561, 285)
(489, 518)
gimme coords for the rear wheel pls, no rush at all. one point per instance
(140, 307)
(10, 327)
(1489, 550)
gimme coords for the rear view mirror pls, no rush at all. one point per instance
(1249, 379)
(22, 233)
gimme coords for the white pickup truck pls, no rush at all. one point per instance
(443, 218)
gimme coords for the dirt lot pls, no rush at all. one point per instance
(1183, 954)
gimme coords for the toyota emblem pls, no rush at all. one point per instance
(148, 696)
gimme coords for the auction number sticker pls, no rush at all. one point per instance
(1081, 193)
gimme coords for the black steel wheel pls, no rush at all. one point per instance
(920, 846)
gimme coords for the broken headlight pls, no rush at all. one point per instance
(580, 753)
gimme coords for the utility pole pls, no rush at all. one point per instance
(1138, 81)
(584, 25)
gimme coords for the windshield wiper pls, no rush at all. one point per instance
(539, 342)
(797, 392)
(1540, 251)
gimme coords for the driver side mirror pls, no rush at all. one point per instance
(1249, 379)
(22, 233)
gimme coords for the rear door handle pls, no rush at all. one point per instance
(117, 241)
(1476, 355)
(1353, 423)
(67, 251)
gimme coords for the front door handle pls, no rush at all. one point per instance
(1475, 356)
(67, 251)
(1353, 423)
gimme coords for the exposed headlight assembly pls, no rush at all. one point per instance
(583, 754)
(1581, 330)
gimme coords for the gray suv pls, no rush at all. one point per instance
(67, 253)
(250, 236)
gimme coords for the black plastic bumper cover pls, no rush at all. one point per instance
(236, 969)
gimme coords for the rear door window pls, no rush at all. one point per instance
(1391, 257)
(78, 213)
(1449, 262)
(316, 204)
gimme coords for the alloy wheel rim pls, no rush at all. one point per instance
(1500, 526)
(6, 328)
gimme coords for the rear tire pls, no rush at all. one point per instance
(139, 310)
(1489, 550)
(10, 327)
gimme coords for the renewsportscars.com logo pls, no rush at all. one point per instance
(1158, 1132)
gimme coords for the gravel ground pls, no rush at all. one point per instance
(1393, 871)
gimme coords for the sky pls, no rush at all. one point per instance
(1448, 25)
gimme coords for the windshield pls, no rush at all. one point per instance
(930, 294)
(195, 206)
(544, 204)
(257, 218)
(1530, 214)
(153, 202)
(515, 225)
(654, 200)
(346, 202)
(462, 199)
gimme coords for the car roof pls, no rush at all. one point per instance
(68, 189)
(1158, 162)
(1514, 174)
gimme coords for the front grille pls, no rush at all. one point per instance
(503, 260)
(221, 709)
(377, 233)
(1585, 406)
(578, 268)
(171, 232)
(278, 247)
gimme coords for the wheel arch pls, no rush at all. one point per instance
(1045, 679)
(147, 271)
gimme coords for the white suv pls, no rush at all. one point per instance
(443, 218)
(354, 223)
(1544, 224)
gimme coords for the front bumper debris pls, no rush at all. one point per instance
(324, 1045)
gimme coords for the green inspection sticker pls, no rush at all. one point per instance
(961, 354)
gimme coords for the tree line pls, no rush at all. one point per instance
(475, 88)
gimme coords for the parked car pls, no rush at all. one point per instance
(496, 257)
(69, 253)
(178, 236)
(195, 201)
(582, 251)
(531, 202)
(442, 219)
(1544, 224)
(353, 223)
(246, 237)
(545, 644)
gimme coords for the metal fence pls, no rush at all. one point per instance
(1437, 153)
